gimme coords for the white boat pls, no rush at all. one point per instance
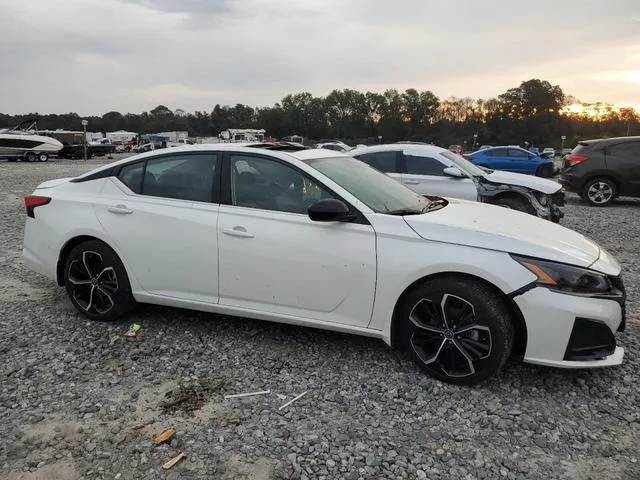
(25, 143)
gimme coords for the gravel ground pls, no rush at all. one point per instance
(71, 390)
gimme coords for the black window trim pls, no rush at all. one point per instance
(214, 193)
(225, 178)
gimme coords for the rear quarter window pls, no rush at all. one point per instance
(131, 176)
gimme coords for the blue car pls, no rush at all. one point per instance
(513, 159)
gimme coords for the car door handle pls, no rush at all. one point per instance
(411, 182)
(237, 232)
(121, 209)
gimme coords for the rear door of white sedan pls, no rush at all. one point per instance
(275, 259)
(162, 215)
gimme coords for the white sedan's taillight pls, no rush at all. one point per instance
(33, 201)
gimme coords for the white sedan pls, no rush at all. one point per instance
(432, 170)
(317, 238)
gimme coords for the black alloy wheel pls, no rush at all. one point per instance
(96, 282)
(457, 329)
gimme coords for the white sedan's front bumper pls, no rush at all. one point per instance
(550, 318)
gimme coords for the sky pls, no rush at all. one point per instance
(95, 56)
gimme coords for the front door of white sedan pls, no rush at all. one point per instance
(425, 175)
(274, 258)
(162, 220)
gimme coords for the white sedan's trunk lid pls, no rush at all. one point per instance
(53, 183)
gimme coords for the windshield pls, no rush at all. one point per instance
(463, 164)
(376, 190)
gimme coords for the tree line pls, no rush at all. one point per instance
(531, 112)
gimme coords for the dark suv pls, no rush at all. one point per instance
(602, 170)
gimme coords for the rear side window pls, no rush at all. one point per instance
(497, 152)
(383, 161)
(627, 150)
(419, 165)
(182, 177)
(514, 152)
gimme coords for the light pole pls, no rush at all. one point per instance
(84, 138)
(563, 138)
(475, 137)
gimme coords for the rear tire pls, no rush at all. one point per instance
(458, 330)
(600, 192)
(97, 282)
(30, 156)
(516, 203)
(545, 171)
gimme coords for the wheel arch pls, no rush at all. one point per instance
(69, 245)
(509, 194)
(605, 175)
(517, 319)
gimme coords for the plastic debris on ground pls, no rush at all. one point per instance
(293, 400)
(250, 394)
(133, 330)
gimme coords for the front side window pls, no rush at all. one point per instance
(419, 165)
(266, 184)
(383, 161)
(181, 177)
(463, 164)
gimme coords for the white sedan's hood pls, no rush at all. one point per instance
(497, 228)
(536, 183)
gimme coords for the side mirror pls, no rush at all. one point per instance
(454, 172)
(329, 210)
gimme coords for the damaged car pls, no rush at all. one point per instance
(435, 171)
(317, 238)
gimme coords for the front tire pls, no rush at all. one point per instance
(97, 283)
(458, 330)
(43, 157)
(600, 192)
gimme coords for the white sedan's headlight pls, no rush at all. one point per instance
(565, 278)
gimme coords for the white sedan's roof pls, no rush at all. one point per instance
(206, 147)
(406, 147)
(316, 153)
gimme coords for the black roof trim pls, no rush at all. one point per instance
(280, 146)
(108, 172)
